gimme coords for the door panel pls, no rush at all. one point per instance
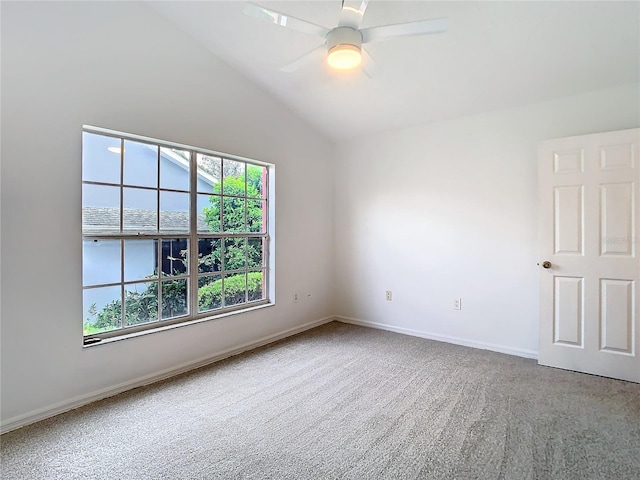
(568, 313)
(568, 162)
(617, 156)
(588, 231)
(616, 315)
(568, 215)
(616, 219)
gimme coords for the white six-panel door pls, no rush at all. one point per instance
(588, 232)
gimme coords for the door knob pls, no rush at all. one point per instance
(546, 264)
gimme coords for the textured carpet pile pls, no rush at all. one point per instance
(342, 401)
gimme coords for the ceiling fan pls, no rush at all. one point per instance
(344, 42)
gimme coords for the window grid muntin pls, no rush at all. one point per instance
(141, 187)
(192, 276)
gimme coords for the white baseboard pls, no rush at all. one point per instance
(65, 406)
(441, 338)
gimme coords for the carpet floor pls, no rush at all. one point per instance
(346, 402)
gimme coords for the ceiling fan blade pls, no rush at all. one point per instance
(271, 16)
(369, 67)
(352, 13)
(373, 34)
(314, 56)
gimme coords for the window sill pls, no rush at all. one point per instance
(126, 336)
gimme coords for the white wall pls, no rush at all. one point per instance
(118, 65)
(449, 210)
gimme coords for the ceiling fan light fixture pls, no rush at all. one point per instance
(344, 42)
(344, 45)
(344, 57)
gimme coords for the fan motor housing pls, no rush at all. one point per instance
(344, 36)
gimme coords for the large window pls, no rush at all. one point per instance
(170, 233)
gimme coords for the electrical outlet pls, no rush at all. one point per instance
(295, 298)
(457, 304)
(388, 295)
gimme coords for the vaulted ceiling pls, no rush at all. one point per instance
(494, 55)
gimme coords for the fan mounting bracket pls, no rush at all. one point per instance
(344, 36)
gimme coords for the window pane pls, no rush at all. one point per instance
(234, 253)
(141, 303)
(102, 309)
(255, 252)
(100, 158)
(256, 180)
(140, 210)
(174, 212)
(233, 214)
(256, 215)
(175, 257)
(208, 213)
(233, 178)
(235, 287)
(137, 222)
(100, 209)
(100, 261)
(209, 293)
(209, 173)
(174, 169)
(140, 259)
(140, 164)
(255, 286)
(174, 298)
(209, 255)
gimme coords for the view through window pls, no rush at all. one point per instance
(170, 233)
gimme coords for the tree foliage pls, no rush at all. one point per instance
(231, 217)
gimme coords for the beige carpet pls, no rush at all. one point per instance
(342, 401)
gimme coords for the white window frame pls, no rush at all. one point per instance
(192, 276)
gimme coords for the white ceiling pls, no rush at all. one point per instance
(494, 55)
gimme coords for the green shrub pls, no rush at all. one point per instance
(142, 307)
(210, 295)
